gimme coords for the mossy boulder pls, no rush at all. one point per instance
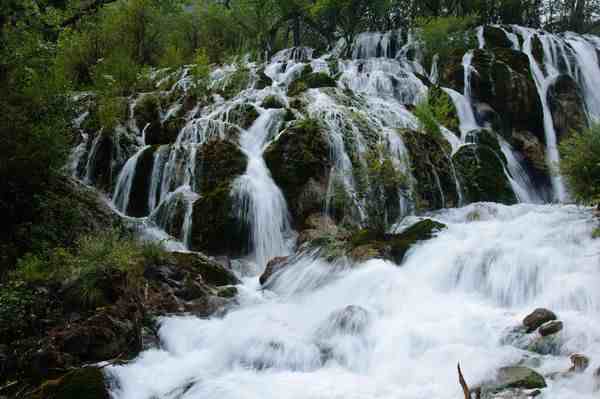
(84, 383)
(299, 163)
(481, 170)
(516, 377)
(147, 114)
(366, 244)
(212, 272)
(504, 81)
(310, 80)
(531, 148)
(495, 37)
(140, 186)
(216, 227)
(567, 106)
(242, 115)
(272, 102)
(262, 80)
(432, 168)
(170, 215)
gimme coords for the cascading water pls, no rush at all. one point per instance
(543, 82)
(381, 331)
(373, 329)
(260, 202)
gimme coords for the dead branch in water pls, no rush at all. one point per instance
(465, 386)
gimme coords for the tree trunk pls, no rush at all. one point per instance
(296, 23)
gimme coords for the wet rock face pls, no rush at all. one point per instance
(274, 266)
(504, 81)
(496, 37)
(567, 106)
(216, 226)
(140, 186)
(433, 170)
(480, 167)
(550, 328)
(299, 163)
(538, 317)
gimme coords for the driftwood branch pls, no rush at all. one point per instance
(465, 386)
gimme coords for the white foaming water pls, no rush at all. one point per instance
(454, 299)
(464, 110)
(260, 202)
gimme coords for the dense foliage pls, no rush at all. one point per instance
(580, 164)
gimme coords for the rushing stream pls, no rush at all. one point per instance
(454, 299)
(373, 330)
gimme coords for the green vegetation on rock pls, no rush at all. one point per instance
(216, 225)
(298, 156)
(580, 164)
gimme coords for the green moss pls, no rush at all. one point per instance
(243, 115)
(216, 227)
(263, 80)
(596, 233)
(519, 377)
(272, 102)
(310, 80)
(299, 154)
(235, 82)
(433, 170)
(394, 247)
(495, 37)
(147, 110)
(481, 172)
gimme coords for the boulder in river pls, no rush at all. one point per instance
(516, 377)
(538, 317)
(550, 328)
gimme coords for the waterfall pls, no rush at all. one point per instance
(518, 177)
(381, 331)
(543, 82)
(125, 182)
(259, 201)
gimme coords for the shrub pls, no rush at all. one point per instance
(435, 110)
(580, 164)
(94, 258)
(445, 35)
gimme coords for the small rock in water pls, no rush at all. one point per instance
(517, 377)
(579, 363)
(539, 316)
(350, 320)
(551, 327)
(274, 265)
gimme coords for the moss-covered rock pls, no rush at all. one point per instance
(216, 227)
(517, 377)
(504, 81)
(212, 272)
(263, 80)
(147, 113)
(481, 170)
(310, 80)
(242, 115)
(299, 162)
(433, 170)
(495, 37)
(272, 102)
(170, 215)
(366, 244)
(85, 383)
(567, 106)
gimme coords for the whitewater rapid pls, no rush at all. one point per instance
(454, 299)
